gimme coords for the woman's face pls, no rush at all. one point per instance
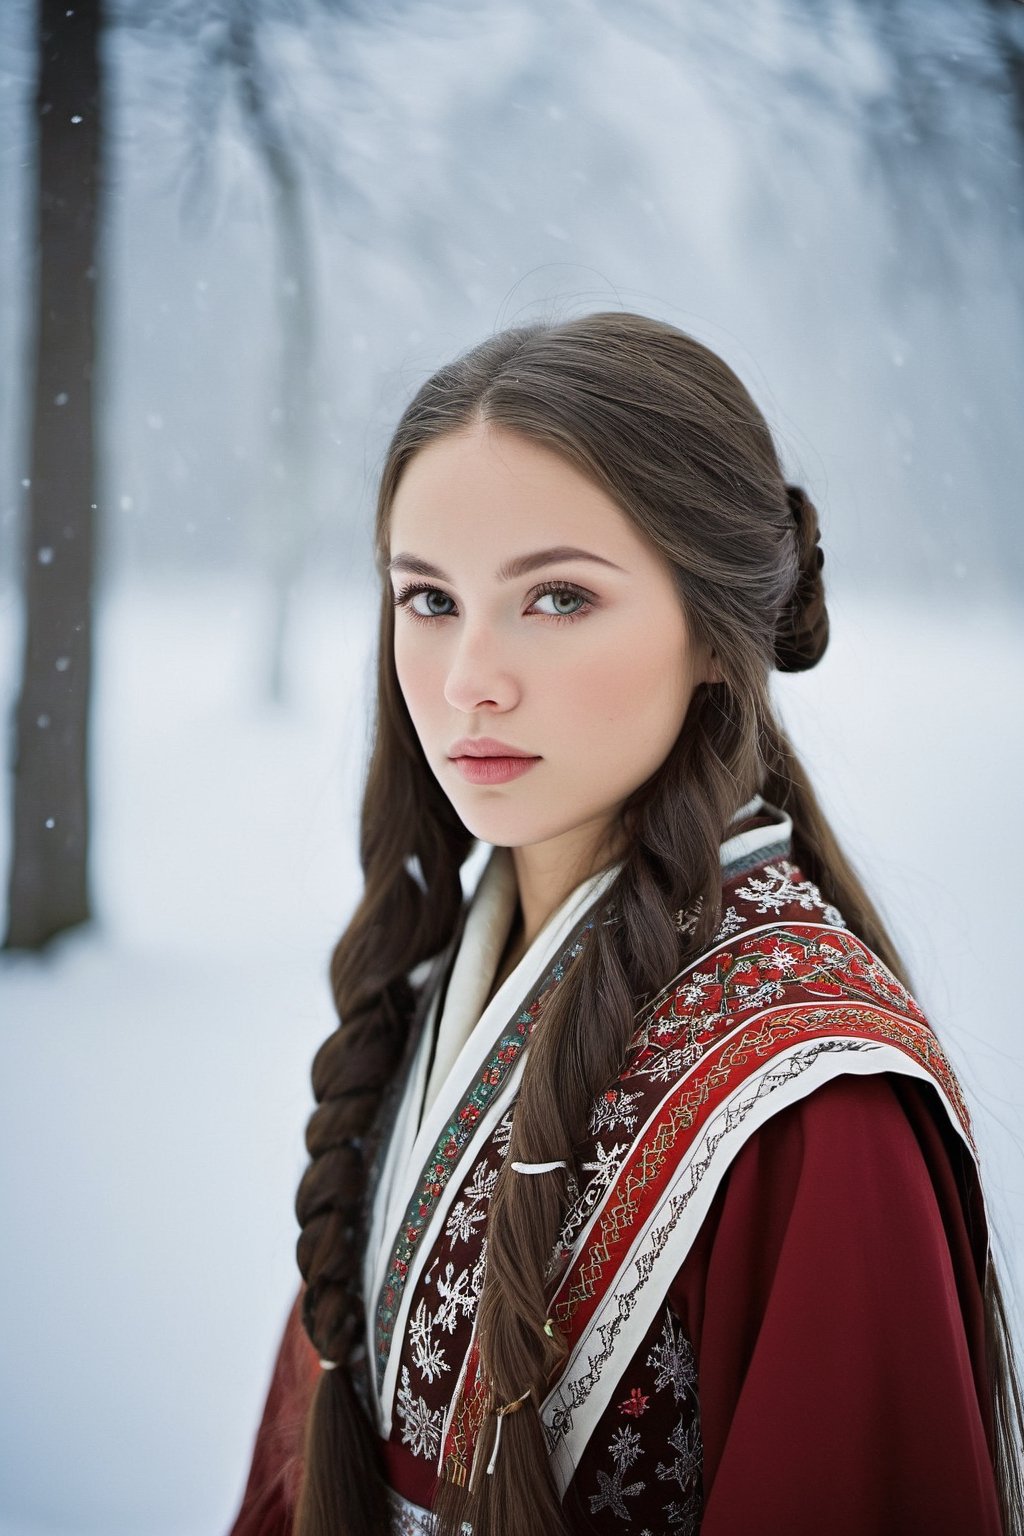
(532, 615)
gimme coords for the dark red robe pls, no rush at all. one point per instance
(833, 1301)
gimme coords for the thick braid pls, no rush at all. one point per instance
(579, 1044)
(397, 924)
(801, 635)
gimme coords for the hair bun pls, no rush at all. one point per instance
(801, 634)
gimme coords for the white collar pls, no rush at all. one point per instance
(489, 918)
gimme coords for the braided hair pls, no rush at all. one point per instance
(667, 429)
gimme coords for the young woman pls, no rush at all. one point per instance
(642, 1195)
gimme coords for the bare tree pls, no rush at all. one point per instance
(48, 884)
(234, 56)
(286, 505)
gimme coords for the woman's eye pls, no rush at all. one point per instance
(433, 602)
(426, 602)
(564, 603)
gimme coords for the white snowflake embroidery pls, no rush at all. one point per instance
(761, 993)
(467, 1214)
(613, 1109)
(671, 1064)
(476, 1278)
(731, 923)
(625, 1448)
(688, 1466)
(503, 1131)
(421, 1426)
(607, 1164)
(457, 1296)
(692, 993)
(462, 1222)
(780, 956)
(684, 1519)
(427, 1352)
(780, 890)
(481, 1185)
(673, 1361)
(686, 918)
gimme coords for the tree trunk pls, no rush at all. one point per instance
(285, 509)
(48, 883)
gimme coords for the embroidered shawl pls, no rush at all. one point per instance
(785, 1000)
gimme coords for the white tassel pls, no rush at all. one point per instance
(497, 1441)
(501, 1413)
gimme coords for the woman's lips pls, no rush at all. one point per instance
(488, 760)
(493, 770)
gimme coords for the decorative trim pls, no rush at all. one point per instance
(452, 1142)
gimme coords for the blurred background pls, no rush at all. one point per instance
(234, 237)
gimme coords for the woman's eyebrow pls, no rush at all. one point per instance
(520, 565)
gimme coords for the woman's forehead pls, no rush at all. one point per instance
(496, 496)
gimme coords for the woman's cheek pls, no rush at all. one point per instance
(414, 681)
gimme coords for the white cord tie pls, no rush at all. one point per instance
(538, 1167)
(328, 1365)
(501, 1413)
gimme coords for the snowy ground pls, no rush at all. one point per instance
(154, 1071)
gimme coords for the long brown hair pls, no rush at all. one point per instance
(658, 421)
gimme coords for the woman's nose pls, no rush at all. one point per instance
(480, 673)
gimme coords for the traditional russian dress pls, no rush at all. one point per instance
(771, 1268)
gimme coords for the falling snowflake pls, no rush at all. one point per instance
(421, 1426)
(427, 1352)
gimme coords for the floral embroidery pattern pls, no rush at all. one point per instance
(614, 1109)
(764, 968)
(635, 1404)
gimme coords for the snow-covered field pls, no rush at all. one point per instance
(154, 1070)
